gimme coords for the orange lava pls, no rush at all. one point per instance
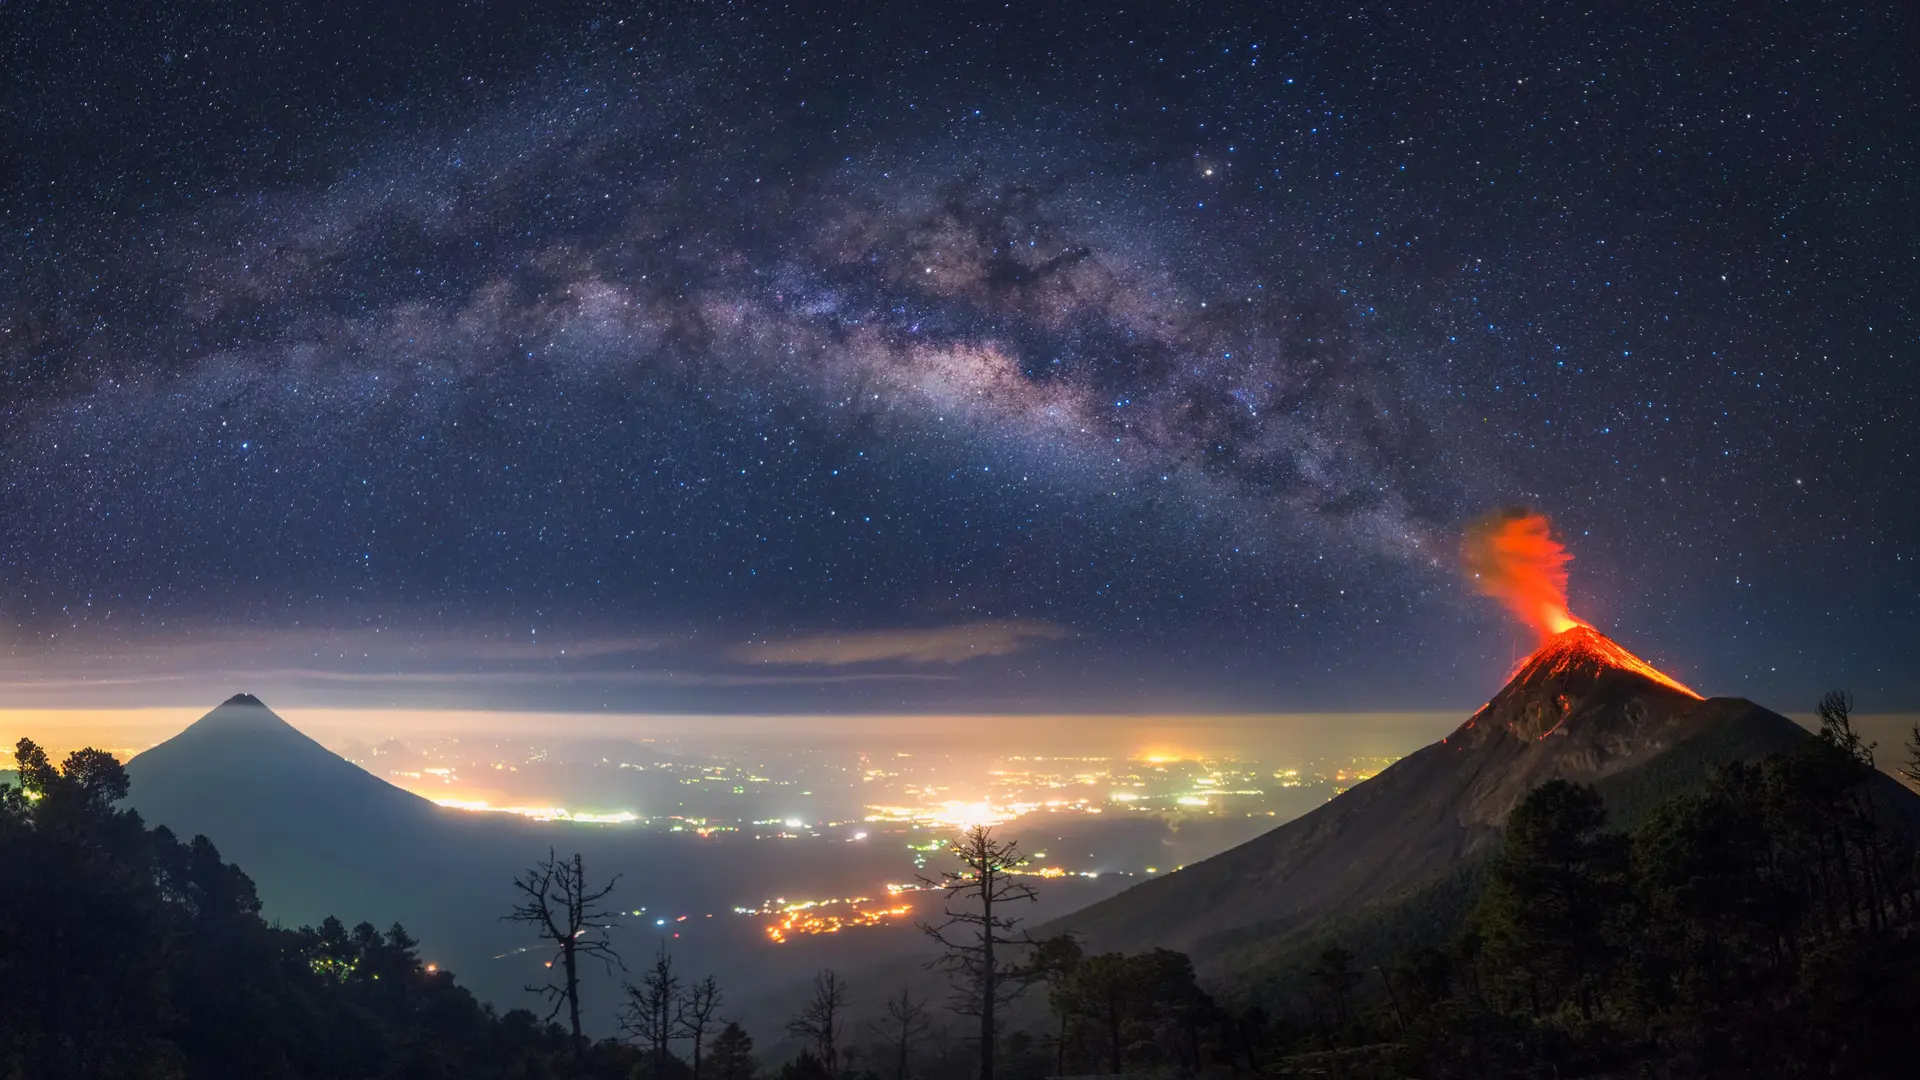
(1513, 557)
(1583, 645)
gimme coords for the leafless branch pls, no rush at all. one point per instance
(564, 910)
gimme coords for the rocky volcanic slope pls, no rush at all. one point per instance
(1582, 708)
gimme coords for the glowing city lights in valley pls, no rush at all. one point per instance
(540, 813)
(791, 918)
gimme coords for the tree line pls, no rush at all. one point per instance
(1761, 924)
(126, 952)
(1764, 922)
(1111, 1012)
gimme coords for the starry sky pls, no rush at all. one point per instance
(899, 357)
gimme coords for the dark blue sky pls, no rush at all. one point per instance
(861, 357)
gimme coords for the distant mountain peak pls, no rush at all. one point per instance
(244, 754)
(318, 833)
(241, 713)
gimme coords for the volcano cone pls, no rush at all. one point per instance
(1582, 708)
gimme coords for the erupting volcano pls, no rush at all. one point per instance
(1580, 708)
(1513, 557)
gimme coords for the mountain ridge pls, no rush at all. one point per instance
(241, 753)
(318, 833)
(1582, 708)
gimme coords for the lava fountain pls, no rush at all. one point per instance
(1513, 557)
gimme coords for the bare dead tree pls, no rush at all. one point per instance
(820, 1021)
(901, 1030)
(978, 935)
(566, 911)
(699, 1012)
(653, 1012)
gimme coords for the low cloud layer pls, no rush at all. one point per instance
(933, 645)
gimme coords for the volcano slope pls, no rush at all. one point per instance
(1401, 848)
(318, 834)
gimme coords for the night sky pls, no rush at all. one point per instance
(873, 357)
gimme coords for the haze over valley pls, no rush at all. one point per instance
(769, 832)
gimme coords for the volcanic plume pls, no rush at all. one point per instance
(1513, 557)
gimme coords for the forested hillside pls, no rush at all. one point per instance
(125, 952)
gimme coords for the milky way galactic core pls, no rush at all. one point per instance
(863, 357)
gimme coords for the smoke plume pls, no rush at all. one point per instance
(1512, 556)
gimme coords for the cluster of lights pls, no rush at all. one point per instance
(828, 916)
(959, 814)
(539, 813)
(1163, 782)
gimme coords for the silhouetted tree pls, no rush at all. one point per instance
(945, 1063)
(1054, 961)
(1149, 1004)
(732, 1057)
(1171, 1002)
(1103, 990)
(564, 909)
(653, 1013)
(1842, 789)
(904, 1025)
(820, 1021)
(1550, 892)
(698, 1013)
(1705, 895)
(977, 935)
(96, 777)
(806, 1066)
(1247, 1034)
(1836, 727)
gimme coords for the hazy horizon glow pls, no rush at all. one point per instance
(1170, 736)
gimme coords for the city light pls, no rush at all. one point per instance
(826, 916)
(539, 813)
